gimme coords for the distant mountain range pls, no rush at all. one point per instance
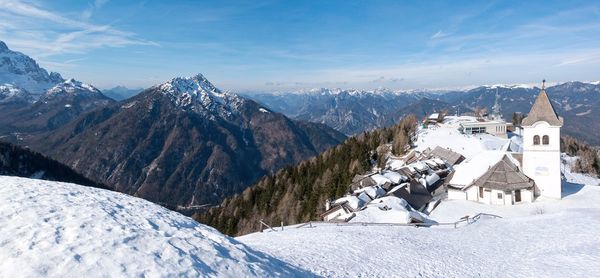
(121, 92)
(355, 111)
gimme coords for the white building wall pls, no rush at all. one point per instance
(472, 193)
(508, 199)
(542, 162)
(526, 196)
(494, 197)
(456, 194)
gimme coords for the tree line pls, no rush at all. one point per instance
(297, 193)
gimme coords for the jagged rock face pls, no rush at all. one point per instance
(55, 108)
(184, 143)
(21, 71)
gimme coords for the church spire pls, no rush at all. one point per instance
(542, 110)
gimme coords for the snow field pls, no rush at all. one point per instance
(50, 229)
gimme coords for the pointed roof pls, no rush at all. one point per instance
(505, 176)
(542, 110)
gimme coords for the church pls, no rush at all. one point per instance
(521, 175)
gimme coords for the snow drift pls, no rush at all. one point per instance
(60, 229)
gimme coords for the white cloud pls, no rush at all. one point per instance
(44, 33)
(438, 34)
(97, 4)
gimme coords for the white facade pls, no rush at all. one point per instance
(541, 161)
(497, 128)
(491, 196)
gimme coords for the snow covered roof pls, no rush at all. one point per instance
(505, 176)
(380, 179)
(389, 209)
(353, 201)
(468, 171)
(394, 177)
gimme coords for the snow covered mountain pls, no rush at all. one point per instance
(58, 106)
(11, 94)
(21, 71)
(197, 94)
(351, 111)
(184, 142)
(52, 229)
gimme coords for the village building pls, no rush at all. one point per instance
(502, 184)
(493, 127)
(496, 168)
(516, 177)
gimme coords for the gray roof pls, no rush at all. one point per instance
(449, 156)
(542, 110)
(505, 176)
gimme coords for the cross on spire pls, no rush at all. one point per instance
(543, 84)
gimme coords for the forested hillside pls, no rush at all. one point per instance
(297, 194)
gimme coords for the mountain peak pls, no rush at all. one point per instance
(21, 70)
(71, 87)
(198, 94)
(11, 93)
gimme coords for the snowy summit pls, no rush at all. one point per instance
(196, 93)
(70, 87)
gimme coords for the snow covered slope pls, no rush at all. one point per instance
(51, 229)
(559, 240)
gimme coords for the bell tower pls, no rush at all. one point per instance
(541, 146)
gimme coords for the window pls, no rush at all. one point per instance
(499, 195)
(481, 192)
(546, 140)
(536, 140)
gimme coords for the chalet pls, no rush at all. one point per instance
(339, 212)
(447, 155)
(502, 184)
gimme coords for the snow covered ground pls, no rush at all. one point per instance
(50, 229)
(446, 135)
(561, 240)
(546, 238)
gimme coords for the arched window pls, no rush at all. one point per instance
(545, 140)
(536, 140)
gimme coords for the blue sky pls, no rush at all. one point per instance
(284, 45)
